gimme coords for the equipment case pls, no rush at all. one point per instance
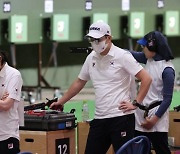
(48, 120)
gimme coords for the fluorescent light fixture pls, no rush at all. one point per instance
(160, 3)
(48, 6)
(6, 7)
(125, 5)
(88, 5)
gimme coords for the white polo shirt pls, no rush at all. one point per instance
(11, 82)
(111, 76)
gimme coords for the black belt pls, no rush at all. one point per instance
(147, 108)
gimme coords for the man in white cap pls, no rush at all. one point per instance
(111, 69)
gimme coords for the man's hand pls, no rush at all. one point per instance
(126, 106)
(5, 95)
(150, 122)
(56, 106)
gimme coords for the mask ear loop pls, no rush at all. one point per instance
(108, 39)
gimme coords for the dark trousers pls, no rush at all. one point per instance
(159, 141)
(9, 146)
(104, 132)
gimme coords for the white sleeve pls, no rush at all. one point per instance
(14, 87)
(130, 64)
(84, 73)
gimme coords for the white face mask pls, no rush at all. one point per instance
(100, 47)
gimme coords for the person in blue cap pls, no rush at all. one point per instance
(152, 117)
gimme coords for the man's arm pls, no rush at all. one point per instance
(146, 80)
(6, 104)
(5, 95)
(74, 89)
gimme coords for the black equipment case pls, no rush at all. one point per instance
(37, 117)
(48, 120)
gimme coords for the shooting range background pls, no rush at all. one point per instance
(40, 34)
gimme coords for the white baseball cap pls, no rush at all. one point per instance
(98, 30)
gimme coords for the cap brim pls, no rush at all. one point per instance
(94, 35)
(142, 41)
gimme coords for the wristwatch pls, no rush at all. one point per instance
(135, 103)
